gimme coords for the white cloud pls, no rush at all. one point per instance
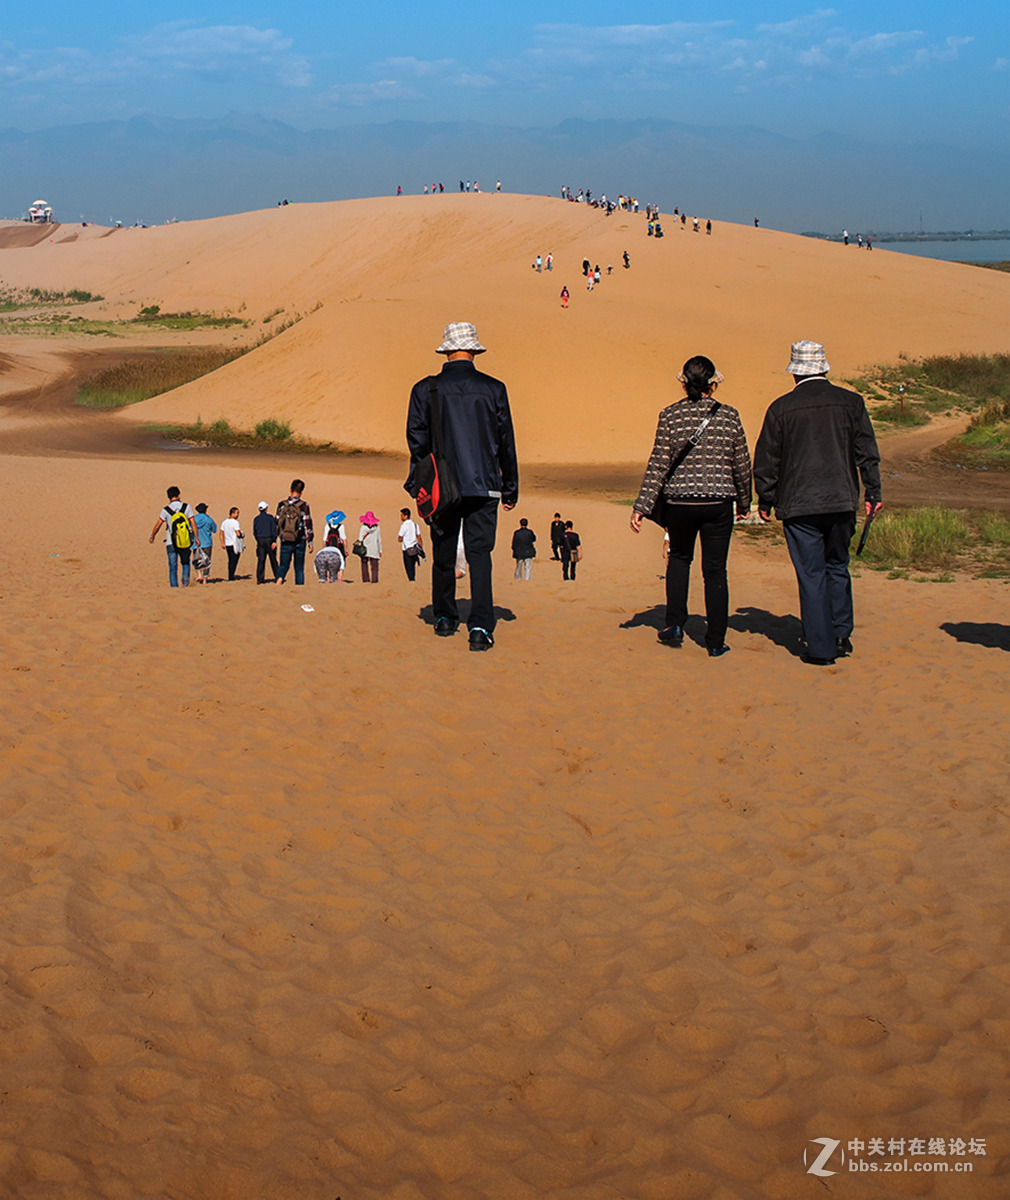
(224, 53)
(407, 79)
(220, 51)
(810, 45)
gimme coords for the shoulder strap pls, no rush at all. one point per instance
(436, 417)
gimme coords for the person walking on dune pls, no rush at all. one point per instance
(699, 471)
(815, 446)
(180, 536)
(478, 444)
(524, 549)
(370, 536)
(203, 551)
(564, 297)
(265, 533)
(294, 528)
(571, 552)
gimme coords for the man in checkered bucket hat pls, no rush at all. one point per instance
(815, 446)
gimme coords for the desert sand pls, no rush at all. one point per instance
(313, 904)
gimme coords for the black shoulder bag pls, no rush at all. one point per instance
(658, 510)
(434, 478)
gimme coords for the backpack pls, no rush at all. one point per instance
(289, 521)
(180, 531)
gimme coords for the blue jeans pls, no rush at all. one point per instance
(297, 551)
(174, 558)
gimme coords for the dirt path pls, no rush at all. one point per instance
(911, 475)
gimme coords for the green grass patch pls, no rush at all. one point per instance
(937, 539)
(220, 433)
(12, 299)
(141, 378)
(59, 325)
(910, 392)
(1002, 265)
(152, 315)
(273, 431)
(896, 413)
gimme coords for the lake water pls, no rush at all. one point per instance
(967, 251)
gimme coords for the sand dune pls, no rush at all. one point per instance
(314, 904)
(586, 383)
(310, 904)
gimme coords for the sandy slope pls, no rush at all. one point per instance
(301, 905)
(586, 383)
(307, 904)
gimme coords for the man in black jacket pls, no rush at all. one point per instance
(479, 446)
(815, 445)
(265, 533)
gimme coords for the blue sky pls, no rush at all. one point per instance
(884, 72)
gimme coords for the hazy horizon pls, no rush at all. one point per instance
(864, 115)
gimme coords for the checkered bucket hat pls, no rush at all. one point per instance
(460, 335)
(808, 359)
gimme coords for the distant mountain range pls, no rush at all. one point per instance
(153, 169)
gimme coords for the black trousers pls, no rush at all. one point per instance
(713, 523)
(410, 565)
(233, 557)
(264, 551)
(819, 547)
(478, 516)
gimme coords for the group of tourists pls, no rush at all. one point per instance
(815, 447)
(282, 538)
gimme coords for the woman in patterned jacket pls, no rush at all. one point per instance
(697, 498)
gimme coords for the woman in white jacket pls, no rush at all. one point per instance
(370, 537)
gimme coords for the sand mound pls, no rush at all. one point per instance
(375, 281)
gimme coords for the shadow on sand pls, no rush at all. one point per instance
(988, 634)
(785, 631)
(427, 614)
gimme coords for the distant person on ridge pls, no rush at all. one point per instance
(479, 447)
(815, 445)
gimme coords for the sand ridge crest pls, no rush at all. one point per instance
(586, 383)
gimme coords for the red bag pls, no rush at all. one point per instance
(436, 484)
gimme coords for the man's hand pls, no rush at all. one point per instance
(508, 507)
(764, 514)
(873, 509)
(636, 522)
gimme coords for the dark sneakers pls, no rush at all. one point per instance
(718, 651)
(843, 647)
(480, 639)
(672, 635)
(445, 626)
